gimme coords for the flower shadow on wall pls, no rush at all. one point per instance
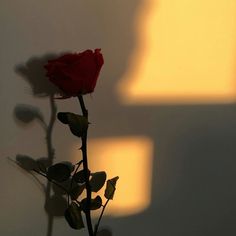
(33, 72)
(55, 198)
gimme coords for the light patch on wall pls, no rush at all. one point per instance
(130, 158)
(186, 53)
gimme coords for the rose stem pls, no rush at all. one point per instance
(86, 170)
(100, 217)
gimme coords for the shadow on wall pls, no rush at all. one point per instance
(33, 72)
(193, 189)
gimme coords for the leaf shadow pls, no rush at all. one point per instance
(104, 232)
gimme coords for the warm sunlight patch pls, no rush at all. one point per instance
(130, 158)
(185, 53)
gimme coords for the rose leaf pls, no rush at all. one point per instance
(59, 172)
(74, 217)
(78, 124)
(77, 191)
(95, 203)
(98, 180)
(62, 116)
(79, 177)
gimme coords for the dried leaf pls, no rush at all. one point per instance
(110, 188)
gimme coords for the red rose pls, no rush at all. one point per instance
(75, 73)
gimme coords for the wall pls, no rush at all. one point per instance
(191, 151)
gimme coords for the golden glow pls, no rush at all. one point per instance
(130, 158)
(186, 53)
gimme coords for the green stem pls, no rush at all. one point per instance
(100, 217)
(83, 108)
(86, 170)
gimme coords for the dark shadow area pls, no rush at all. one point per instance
(34, 73)
(105, 232)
